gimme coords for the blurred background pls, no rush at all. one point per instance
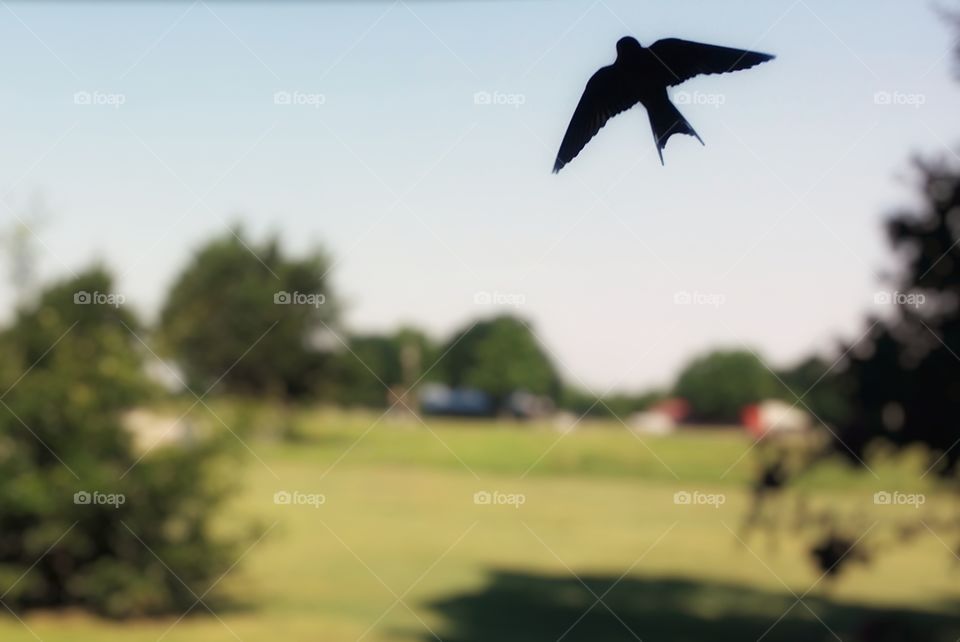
(301, 339)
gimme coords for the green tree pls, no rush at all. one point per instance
(71, 367)
(719, 384)
(897, 387)
(902, 378)
(249, 317)
(499, 356)
(368, 364)
(818, 383)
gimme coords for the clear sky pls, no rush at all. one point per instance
(425, 197)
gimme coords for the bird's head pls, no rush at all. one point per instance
(627, 45)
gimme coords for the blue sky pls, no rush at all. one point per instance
(425, 198)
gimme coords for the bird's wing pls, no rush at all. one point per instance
(683, 59)
(608, 92)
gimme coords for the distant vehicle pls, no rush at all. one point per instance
(774, 416)
(661, 418)
(438, 399)
(651, 422)
(674, 407)
(526, 405)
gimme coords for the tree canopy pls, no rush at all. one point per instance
(719, 384)
(903, 377)
(499, 356)
(248, 317)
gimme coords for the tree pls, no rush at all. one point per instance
(248, 317)
(898, 386)
(719, 384)
(818, 384)
(84, 521)
(499, 356)
(369, 364)
(903, 378)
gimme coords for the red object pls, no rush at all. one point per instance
(752, 421)
(675, 408)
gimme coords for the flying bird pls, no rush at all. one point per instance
(641, 75)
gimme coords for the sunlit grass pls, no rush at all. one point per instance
(399, 520)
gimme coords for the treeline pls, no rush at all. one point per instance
(248, 319)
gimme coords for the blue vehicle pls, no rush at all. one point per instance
(437, 399)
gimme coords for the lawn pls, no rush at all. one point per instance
(400, 551)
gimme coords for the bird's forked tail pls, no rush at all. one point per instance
(665, 121)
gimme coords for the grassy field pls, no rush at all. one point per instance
(400, 551)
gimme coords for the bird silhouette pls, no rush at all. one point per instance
(641, 75)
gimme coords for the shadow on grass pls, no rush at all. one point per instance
(520, 607)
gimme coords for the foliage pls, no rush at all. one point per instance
(898, 386)
(69, 372)
(816, 386)
(499, 356)
(903, 378)
(719, 384)
(248, 317)
(369, 364)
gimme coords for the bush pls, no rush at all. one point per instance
(84, 521)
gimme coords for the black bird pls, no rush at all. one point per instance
(641, 75)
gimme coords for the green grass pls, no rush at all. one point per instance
(399, 520)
